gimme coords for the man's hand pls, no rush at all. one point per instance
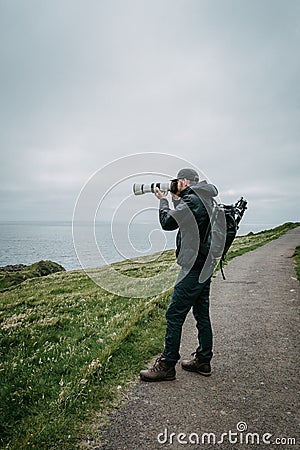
(160, 194)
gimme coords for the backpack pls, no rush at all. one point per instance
(224, 223)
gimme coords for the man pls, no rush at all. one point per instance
(192, 203)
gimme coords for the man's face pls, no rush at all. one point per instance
(182, 184)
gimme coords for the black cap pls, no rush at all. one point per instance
(189, 174)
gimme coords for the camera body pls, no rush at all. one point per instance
(139, 189)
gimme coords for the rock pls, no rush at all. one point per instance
(13, 268)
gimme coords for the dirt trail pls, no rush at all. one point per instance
(254, 385)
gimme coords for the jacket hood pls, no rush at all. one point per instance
(204, 189)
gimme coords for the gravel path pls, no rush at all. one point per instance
(254, 384)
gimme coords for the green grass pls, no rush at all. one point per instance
(297, 262)
(251, 241)
(38, 269)
(69, 349)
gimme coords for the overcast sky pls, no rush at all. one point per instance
(83, 83)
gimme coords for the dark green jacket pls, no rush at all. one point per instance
(191, 216)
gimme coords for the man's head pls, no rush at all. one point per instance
(186, 177)
(188, 174)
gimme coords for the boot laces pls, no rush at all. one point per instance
(157, 365)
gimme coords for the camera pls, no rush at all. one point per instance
(139, 189)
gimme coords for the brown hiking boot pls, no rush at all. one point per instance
(161, 371)
(195, 365)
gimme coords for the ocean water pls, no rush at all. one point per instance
(28, 242)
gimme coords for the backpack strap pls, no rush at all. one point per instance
(211, 218)
(222, 270)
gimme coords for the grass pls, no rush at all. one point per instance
(297, 262)
(69, 349)
(38, 269)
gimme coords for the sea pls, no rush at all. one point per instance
(28, 242)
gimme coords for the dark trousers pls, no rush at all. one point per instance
(189, 293)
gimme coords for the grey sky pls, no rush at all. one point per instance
(85, 82)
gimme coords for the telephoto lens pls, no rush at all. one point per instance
(139, 189)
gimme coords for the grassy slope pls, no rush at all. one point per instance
(297, 262)
(68, 348)
(38, 269)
